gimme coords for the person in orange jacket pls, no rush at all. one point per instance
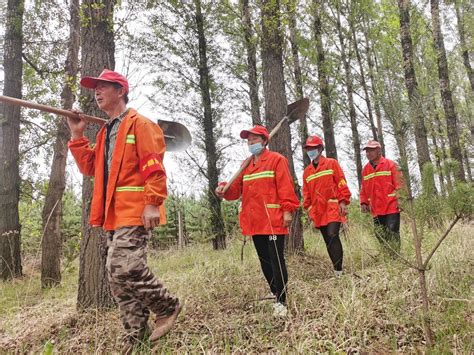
(268, 202)
(127, 202)
(325, 197)
(381, 179)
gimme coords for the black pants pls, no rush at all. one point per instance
(270, 250)
(333, 243)
(387, 231)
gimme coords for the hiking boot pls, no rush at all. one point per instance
(164, 324)
(279, 310)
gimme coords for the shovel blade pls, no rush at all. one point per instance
(297, 110)
(177, 136)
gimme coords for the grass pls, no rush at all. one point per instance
(374, 307)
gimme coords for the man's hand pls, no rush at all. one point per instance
(150, 217)
(220, 189)
(287, 218)
(342, 209)
(365, 208)
(77, 126)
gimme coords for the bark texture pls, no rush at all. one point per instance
(251, 50)
(98, 49)
(446, 95)
(275, 98)
(363, 83)
(297, 73)
(350, 98)
(217, 221)
(462, 42)
(10, 243)
(416, 108)
(324, 92)
(52, 241)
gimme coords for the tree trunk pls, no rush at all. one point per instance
(363, 83)
(373, 84)
(402, 144)
(444, 155)
(439, 166)
(349, 88)
(446, 96)
(98, 48)
(400, 135)
(182, 238)
(275, 98)
(328, 127)
(217, 221)
(421, 139)
(462, 42)
(52, 242)
(303, 128)
(10, 243)
(393, 114)
(251, 49)
(466, 162)
(436, 137)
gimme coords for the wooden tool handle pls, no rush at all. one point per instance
(177, 136)
(237, 173)
(57, 111)
(277, 127)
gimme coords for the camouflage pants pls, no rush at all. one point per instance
(134, 287)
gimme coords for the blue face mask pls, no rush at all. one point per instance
(255, 148)
(313, 154)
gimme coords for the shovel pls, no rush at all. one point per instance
(177, 136)
(294, 112)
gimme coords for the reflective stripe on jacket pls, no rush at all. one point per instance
(136, 177)
(323, 188)
(267, 191)
(379, 187)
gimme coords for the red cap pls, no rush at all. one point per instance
(313, 141)
(106, 75)
(257, 129)
(372, 144)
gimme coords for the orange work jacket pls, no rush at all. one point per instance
(323, 188)
(136, 177)
(267, 191)
(379, 187)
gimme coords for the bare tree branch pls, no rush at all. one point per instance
(453, 223)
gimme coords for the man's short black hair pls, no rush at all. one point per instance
(118, 86)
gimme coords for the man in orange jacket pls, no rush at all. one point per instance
(268, 201)
(381, 179)
(128, 202)
(326, 196)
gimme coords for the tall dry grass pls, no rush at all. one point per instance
(374, 307)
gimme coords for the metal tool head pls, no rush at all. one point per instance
(297, 110)
(177, 136)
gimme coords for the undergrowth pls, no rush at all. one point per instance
(374, 307)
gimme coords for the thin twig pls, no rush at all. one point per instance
(198, 166)
(453, 223)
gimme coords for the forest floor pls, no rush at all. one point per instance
(374, 307)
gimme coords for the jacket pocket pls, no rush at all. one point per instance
(129, 201)
(275, 214)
